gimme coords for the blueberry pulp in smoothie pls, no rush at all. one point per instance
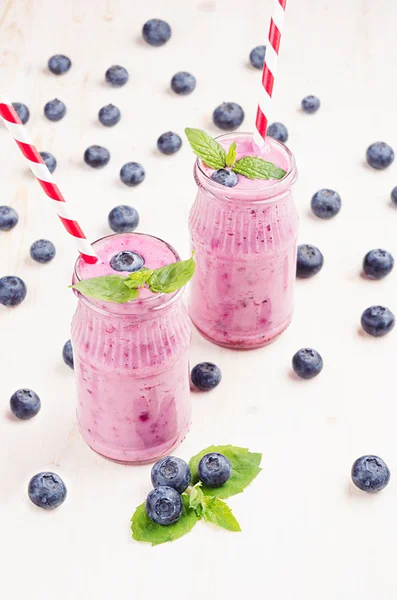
(245, 242)
(131, 360)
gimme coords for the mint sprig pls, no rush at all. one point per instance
(121, 289)
(200, 502)
(214, 156)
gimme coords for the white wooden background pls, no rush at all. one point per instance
(306, 532)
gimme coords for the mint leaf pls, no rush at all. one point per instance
(196, 497)
(257, 168)
(217, 512)
(144, 530)
(172, 277)
(138, 278)
(245, 467)
(205, 147)
(231, 155)
(110, 288)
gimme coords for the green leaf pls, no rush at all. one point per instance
(172, 277)
(110, 288)
(144, 530)
(138, 278)
(208, 149)
(245, 467)
(196, 496)
(231, 155)
(217, 512)
(257, 168)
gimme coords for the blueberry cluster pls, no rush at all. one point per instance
(171, 477)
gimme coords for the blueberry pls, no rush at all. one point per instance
(326, 204)
(228, 116)
(42, 251)
(171, 471)
(377, 320)
(47, 490)
(67, 354)
(127, 261)
(214, 469)
(307, 363)
(370, 473)
(96, 156)
(169, 143)
(132, 173)
(309, 261)
(59, 64)
(12, 291)
(310, 104)
(25, 404)
(378, 263)
(183, 83)
(206, 376)
(55, 110)
(123, 219)
(257, 57)
(164, 505)
(8, 218)
(109, 115)
(278, 131)
(22, 111)
(225, 177)
(394, 196)
(380, 155)
(49, 160)
(156, 32)
(116, 76)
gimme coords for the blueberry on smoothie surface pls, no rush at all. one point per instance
(394, 196)
(206, 376)
(123, 219)
(132, 174)
(380, 155)
(257, 57)
(49, 161)
(8, 218)
(309, 261)
(326, 203)
(47, 490)
(59, 64)
(377, 320)
(42, 251)
(310, 104)
(96, 156)
(225, 177)
(370, 473)
(228, 116)
(127, 260)
(171, 471)
(307, 363)
(169, 143)
(12, 290)
(67, 354)
(25, 404)
(116, 76)
(55, 110)
(109, 115)
(378, 263)
(22, 111)
(156, 32)
(183, 83)
(164, 505)
(278, 131)
(214, 469)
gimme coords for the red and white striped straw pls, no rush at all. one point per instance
(269, 70)
(45, 179)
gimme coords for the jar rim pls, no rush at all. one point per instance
(266, 192)
(157, 301)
